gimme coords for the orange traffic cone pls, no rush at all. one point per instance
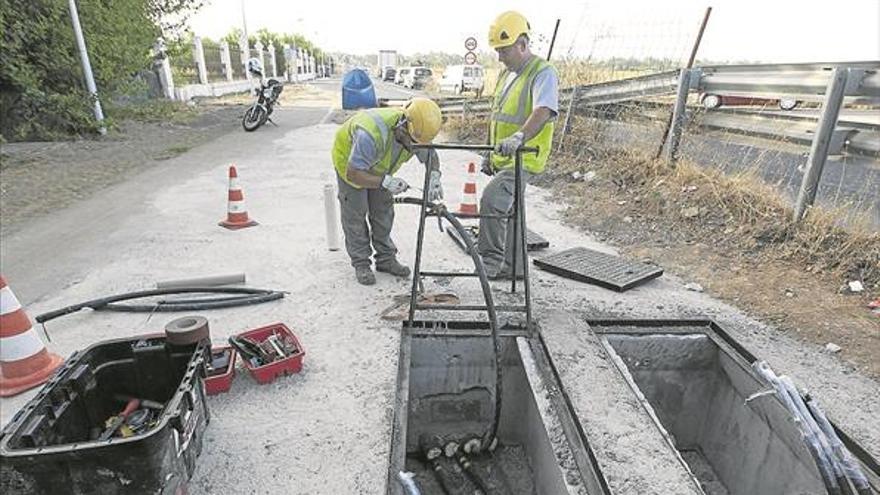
(468, 204)
(236, 216)
(24, 360)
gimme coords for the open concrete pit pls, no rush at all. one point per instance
(696, 385)
(446, 398)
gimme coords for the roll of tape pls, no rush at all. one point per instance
(187, 330)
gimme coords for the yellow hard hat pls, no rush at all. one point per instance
(506, 28)
(423, 119)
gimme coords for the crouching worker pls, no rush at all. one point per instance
(369, 148)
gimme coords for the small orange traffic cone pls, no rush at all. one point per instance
(24, 360)
(468, 204)
(236, 213)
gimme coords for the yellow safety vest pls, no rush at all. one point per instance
(510, 110)
(379, 124)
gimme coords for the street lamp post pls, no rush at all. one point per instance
(86, 66)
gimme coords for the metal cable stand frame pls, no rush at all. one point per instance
(519, 232)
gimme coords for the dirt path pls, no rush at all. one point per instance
(39, 178)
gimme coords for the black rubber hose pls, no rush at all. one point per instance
(248, 296)
(486, 485)
(451, 478)
(440, 209)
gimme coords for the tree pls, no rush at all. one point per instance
(41, 82)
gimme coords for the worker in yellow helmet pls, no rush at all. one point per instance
(524, 110)
(369, 148)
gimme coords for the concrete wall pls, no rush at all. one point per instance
(698, 393)
(190, 91)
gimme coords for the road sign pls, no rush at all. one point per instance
(470, 58)
(470, 44)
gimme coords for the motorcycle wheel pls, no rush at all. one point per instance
(254, 118)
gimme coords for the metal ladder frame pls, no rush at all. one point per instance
(439, 210)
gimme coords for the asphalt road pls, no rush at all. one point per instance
(26, 255)
(327, 429)
(385, 90)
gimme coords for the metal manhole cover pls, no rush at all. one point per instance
(534, 241)
(597, 268)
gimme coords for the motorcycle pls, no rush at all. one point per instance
(266, 98)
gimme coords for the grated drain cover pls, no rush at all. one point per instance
(597, 268)
(534, 241)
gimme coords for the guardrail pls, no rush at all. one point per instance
(806, 82)
(832, 84)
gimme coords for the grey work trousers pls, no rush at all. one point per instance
(496, 244)
(358, 205)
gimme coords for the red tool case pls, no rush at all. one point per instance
(288, 365)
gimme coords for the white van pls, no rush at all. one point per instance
(416, 77)
(402, 74)
(460, 78)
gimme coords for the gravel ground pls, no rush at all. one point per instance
(328, 429)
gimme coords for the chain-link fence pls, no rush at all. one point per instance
(184, 68)
(214, 63)
(742, 156)
(236, 62)
(281, 61)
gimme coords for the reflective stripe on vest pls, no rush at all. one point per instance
(378, 124)
(508, 119)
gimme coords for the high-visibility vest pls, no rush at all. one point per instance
(379, 124)
(510, 110)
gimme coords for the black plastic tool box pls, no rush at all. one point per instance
(50, 446)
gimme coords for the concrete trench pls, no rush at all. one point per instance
(699, 388)
(445, 391)
(693, 384)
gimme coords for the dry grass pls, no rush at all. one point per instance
(732, 234)
(740, 210)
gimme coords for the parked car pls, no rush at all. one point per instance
(388, 73)
(401, 75)
(417, 77)
(711, 101)
(460, 78)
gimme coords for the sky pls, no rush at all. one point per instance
(772, 31)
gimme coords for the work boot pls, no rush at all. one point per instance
(393, 267)
(364, 275)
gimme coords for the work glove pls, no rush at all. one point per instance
(394, 185)
(435, 188)
(509, 145)
(486, 164)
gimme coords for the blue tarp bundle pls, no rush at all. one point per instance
(357, 90)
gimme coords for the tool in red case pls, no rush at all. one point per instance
(221, 370)
(272, 351)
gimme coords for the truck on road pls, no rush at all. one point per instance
(387, 64)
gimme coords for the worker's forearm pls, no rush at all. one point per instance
(363, 178)
(535, 122)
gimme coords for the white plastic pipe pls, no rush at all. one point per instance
(330, 217)
(208, 281)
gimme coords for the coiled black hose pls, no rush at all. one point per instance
(440, 210)
(245, 297)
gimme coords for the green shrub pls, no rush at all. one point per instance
(41, 81)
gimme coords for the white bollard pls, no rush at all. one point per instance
(330, 217)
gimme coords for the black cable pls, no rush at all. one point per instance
(440, 210)
(247, 296)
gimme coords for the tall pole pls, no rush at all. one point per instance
(86, 65)
(689, 65)
(553, 40)
(244, 26)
